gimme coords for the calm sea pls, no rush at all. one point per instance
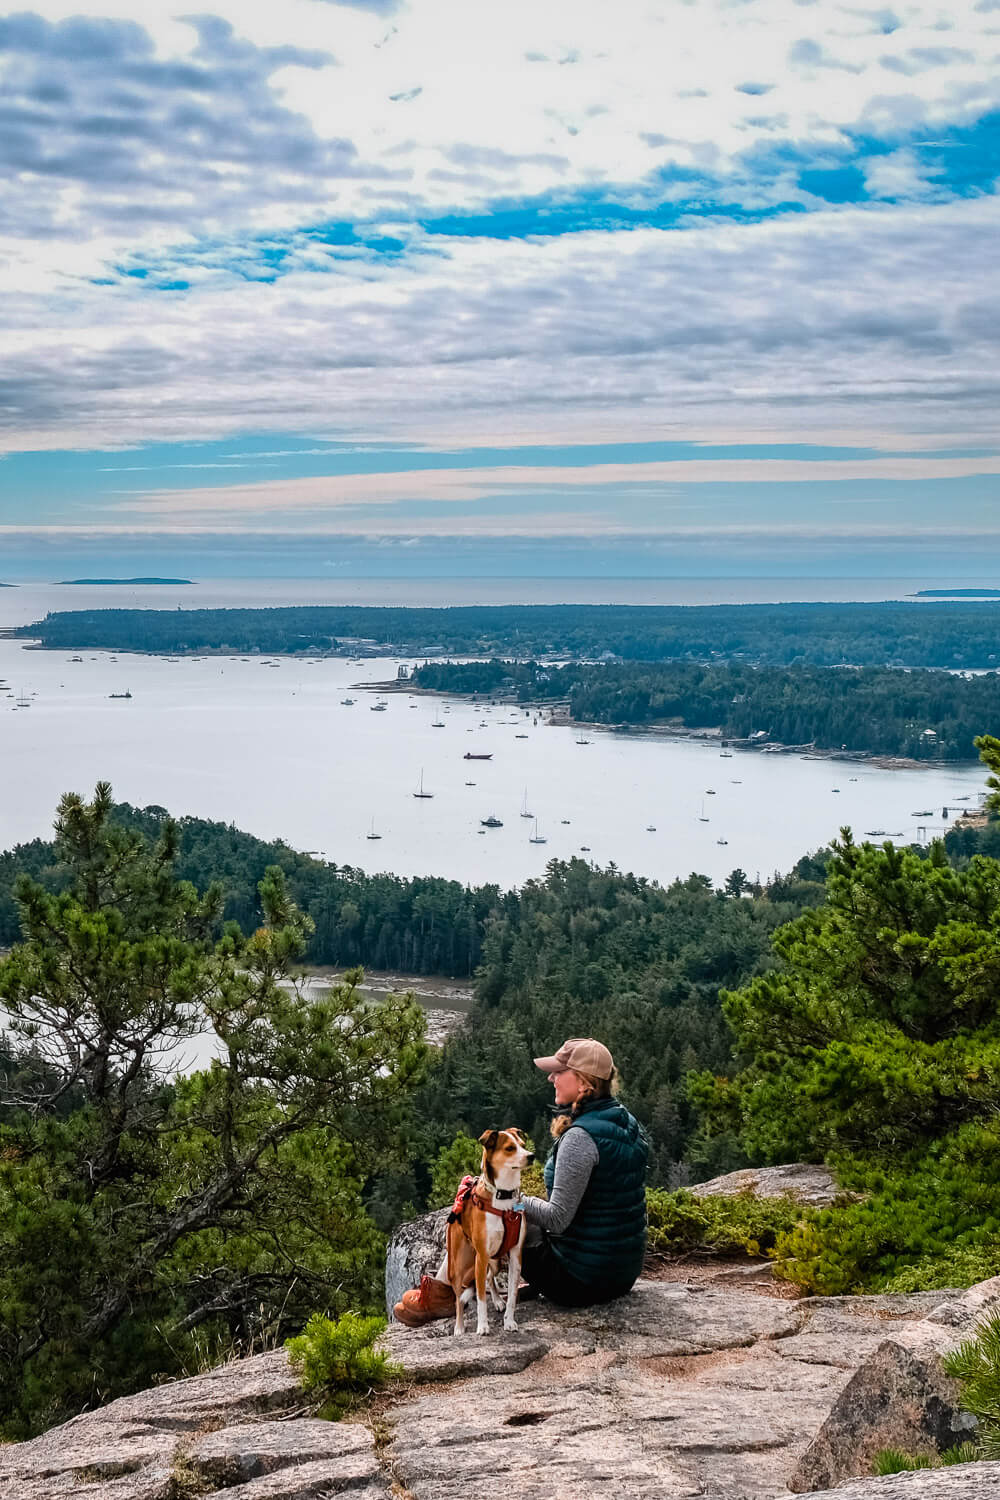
(276, 750)
(29, 601)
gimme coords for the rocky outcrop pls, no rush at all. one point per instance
(814, 1186)
(964, 1482)
(240, 1430)
(415, 1250)
(677, 1390)
(900, 1397)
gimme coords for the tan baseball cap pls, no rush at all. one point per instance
(581, 1054)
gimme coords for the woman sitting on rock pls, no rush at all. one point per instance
(586, 1243)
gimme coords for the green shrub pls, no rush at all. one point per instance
(930, 1219)
(817, 1262)
(895, 1461)
(338, 1361)
(962, 1453)
(963, 1266)
(679, 1222)
(976, 1366)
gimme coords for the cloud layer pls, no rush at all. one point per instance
(441, 224)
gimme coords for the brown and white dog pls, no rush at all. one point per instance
(482, 1229)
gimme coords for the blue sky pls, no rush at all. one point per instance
(666, 286)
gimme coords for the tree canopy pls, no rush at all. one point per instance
(143, 1212)
(875, 1045)
(900, 633)
(923, 715)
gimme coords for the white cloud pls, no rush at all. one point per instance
(896, 175)
(329, 494)
(206, 151)
(866, 321)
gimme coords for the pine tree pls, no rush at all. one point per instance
(875, 1046)
(141, 1209)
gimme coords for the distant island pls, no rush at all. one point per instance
(956, 594)
(106, 581)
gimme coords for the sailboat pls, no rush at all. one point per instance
(582, 740)
(420, 789)
(536, 837)
(702, 817)
(371, 834)
(524, 806)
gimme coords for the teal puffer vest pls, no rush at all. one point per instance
(605, 1244)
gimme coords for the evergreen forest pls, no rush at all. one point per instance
(928, 634)
(154, 1222)
(919, 714)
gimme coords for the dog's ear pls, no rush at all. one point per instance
(488, 1140)
(513, 1130)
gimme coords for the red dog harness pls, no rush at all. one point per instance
(511, 1217)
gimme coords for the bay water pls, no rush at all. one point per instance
(271, 746)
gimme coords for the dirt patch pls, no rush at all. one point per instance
(718, 1270)
(559, 1367)
(691, 1366)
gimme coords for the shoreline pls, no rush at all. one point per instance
(708, 735)
(554, 715)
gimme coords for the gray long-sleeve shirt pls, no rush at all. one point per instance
(575, 1161)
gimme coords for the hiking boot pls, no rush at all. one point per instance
(422, 1304)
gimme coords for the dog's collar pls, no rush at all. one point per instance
(504, 1192)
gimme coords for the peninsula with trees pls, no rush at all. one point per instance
(953, 635)
(922, 715)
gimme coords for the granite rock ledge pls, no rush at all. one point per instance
(677, 1390)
